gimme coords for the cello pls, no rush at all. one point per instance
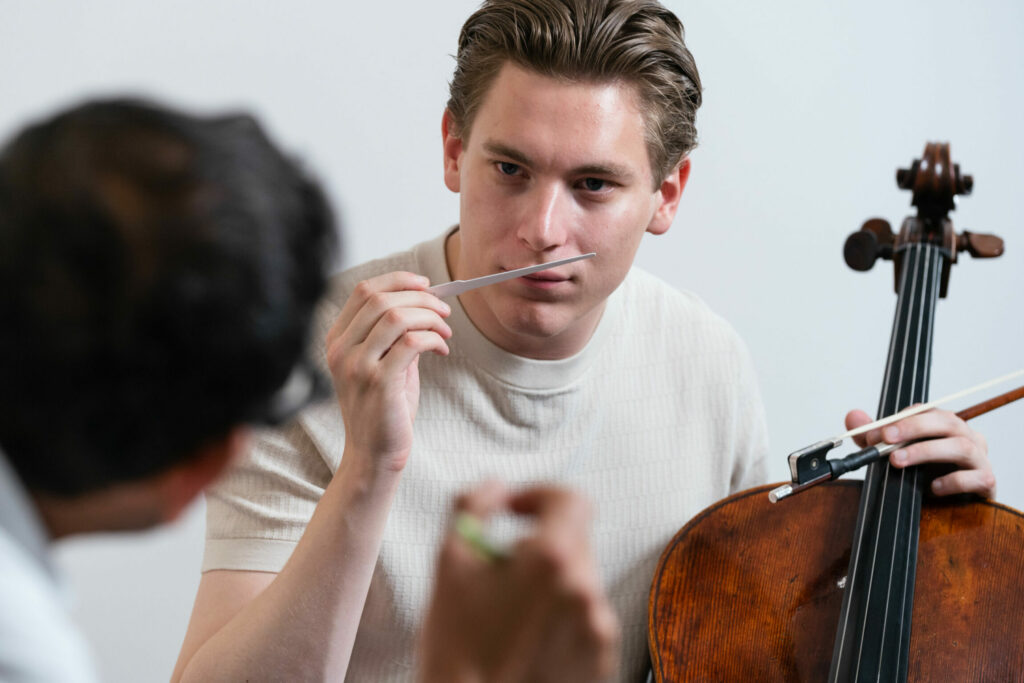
(853, 581)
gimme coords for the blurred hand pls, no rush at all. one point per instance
(373, 350)
(537, 614)
(951, 440)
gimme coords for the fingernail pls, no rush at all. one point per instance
(937, 486)
(892, 434)
(445, 307)
(900, 457)
(424, 280)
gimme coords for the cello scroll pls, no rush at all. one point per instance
(935, 182)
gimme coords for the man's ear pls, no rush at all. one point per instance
(178, 486)
(669, 194)
(452, 144)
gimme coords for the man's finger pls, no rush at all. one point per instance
(562, 516)
(382, 303)
(932, 423)
(483, 500)
(551, 501)
(981, 482)
(379, 307)
(858, 418)
(408, 348)
(401, 321)
(957, 450)
(388, 282)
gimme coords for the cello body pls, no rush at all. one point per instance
(750, 591)
(858, 581)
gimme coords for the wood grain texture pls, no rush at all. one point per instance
(751, 591)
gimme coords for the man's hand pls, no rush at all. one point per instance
(950, 441)
(373, 351)
(537, 614)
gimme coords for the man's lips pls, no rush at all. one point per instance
(548, 276)
(545, 279)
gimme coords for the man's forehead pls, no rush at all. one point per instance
(512, 75)
(528, 117)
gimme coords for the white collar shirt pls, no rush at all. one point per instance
(38, 641)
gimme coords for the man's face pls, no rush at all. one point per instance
(551, 169)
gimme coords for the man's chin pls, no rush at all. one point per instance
(543, 337)
(537, 322)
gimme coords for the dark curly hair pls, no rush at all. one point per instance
(158, 275)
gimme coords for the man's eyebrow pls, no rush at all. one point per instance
(598, 169)
(500, 150)
(605, 170)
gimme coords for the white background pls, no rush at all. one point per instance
(809, 108)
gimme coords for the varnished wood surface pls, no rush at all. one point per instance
(750, 591)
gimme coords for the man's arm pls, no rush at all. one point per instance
(537, 613)
(301, 623)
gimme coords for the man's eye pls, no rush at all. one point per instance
(508, 168)
(594, 184)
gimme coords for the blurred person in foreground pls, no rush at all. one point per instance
(158, 275)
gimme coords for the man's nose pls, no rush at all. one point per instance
(543, 224)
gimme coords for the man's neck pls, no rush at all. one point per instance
(121, 507)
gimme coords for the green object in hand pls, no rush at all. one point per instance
(471, 530)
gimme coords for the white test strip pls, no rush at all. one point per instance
(457, 287)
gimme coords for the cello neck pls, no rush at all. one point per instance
(873, 635)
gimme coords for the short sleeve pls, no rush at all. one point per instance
(259, 511)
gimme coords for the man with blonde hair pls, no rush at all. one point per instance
(567, 131)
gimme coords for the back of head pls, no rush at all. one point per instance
(158, 273)
(638, 42)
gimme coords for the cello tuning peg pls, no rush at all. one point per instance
(964, 183)
(905, 177)
(980, 245)
(864, 247)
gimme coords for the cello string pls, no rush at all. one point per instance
(924, 299)
(915, 299)
(914, 305)
(872, 478)
(928, 303)
(926, 307)
(910, 566)
(905, 394)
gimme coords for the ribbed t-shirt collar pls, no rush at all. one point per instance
(525, 373)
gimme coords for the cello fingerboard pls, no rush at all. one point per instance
(873, 635)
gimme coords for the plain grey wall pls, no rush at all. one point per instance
(809, 108)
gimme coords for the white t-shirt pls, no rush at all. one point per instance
(38, 641)
(656, 418)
